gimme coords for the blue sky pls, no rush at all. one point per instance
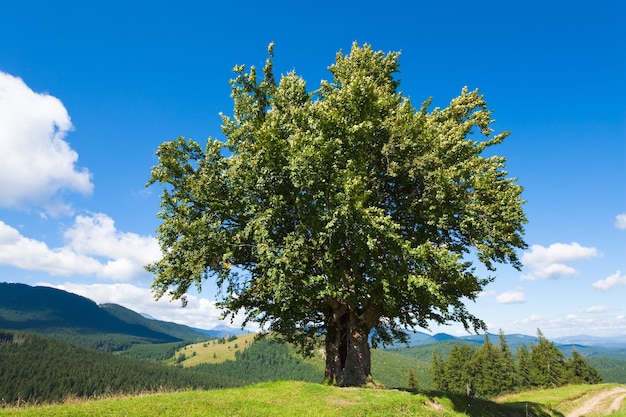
(88, 90)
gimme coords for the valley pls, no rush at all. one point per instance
(55, 346)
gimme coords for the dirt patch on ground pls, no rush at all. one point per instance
(600, 404)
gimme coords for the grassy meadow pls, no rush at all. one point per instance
(213, 351)
(309, 399)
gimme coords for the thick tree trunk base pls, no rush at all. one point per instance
(348, 359)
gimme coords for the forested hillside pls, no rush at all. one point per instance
(79, 320)
(179, 331)
(35, 369)
(493, 370)
(41, 369)
(267, 360)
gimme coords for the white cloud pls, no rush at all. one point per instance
(594, 324)
(611, 281)
(200, 312)
(127, 253)
(36, 164)
(550, 262)
(620, 221)
(33, 255)
(511, 297)
(533, 318)
(94, 247)
(595, 309)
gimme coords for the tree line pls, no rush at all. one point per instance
(265, 360)
(493, 370)
(38, 370)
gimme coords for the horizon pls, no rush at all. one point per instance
(441, 331)
(89, 91)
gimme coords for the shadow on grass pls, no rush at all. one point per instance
(476, 407)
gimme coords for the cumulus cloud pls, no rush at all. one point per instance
(611, 281)
(551, 262)
(200, 312)
(29, 254)
(620, 221)
(93, 247)
(488, 293)
(126, 253)
(511, 297)
(36, 164)
(595, 309)
(533, 318)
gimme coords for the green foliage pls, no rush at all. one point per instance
(610, 369)
(176, 330)
(490, 371)
(34, 369)
(547, 368)
(80, 321)
(458, 372)
(265, 360)
(391, 368)
(524, 380)
(508, 379)
(289, 399)
(578, 371)
(412, 381)
(154, 351)
(438, 372)
(561, 401)
(346, 208)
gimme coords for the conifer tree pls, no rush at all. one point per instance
(438, 373)
(486, 365)
(547, 364)
(412, 382)
(458, 371)
(509, 378)
(578, 371)
(523, 368)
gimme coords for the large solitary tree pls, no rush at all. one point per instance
(342, 212)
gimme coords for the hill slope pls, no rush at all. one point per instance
(300, 399)
(176, 330)
(36, 369)
(70, 317)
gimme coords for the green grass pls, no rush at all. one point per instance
(266, 399)
(301, 399)
(213, 351)
(559, 401)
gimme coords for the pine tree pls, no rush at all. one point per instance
(458, 372)
(547, 364)
(412, 382)
(523, 368)
(509, 378)
(578, 371)
(438, 373)
(486, 365)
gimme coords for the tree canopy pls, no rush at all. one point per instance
(489, 371)
(343, 211)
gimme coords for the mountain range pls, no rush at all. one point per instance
(589, 346)
(57, 313)
(67, 316)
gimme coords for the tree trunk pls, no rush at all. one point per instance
(348, 360)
